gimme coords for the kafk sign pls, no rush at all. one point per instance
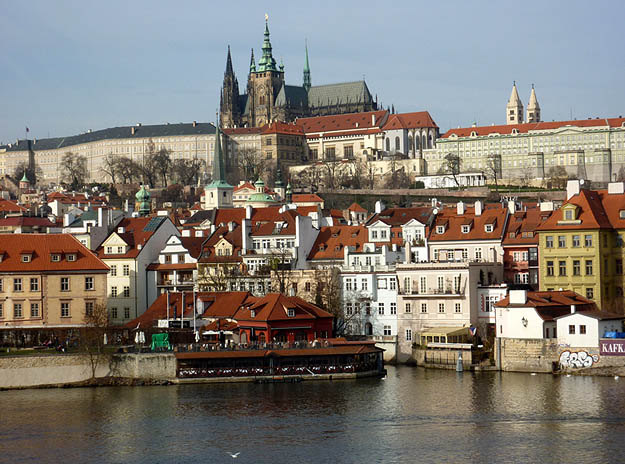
(612, 347)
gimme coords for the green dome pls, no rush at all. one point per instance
(143, 194)
(261, 197)
(259, 183)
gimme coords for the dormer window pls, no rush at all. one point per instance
(55, 257)
(26, 257)
(291, 312)
(440, 229)
(489, 228)
(252, 313)
(621, 214)
(569, 215)
(71, 257)
(466, 229)
(109, 250)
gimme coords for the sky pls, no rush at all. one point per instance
(70, 66)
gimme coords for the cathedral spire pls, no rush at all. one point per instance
(514, 108)
(252, 63)
(267, 62)
(307, 84)
(229, 70)
(533, 109)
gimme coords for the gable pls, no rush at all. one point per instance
(114, 240)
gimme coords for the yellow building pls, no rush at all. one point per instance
(581, 245)
(48, 281)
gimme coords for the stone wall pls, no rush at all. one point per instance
(36, 371)
(526, 355)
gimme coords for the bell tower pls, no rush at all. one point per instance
(514, 108)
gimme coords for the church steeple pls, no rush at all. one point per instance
(533, 109)
(266, 62)
(229, 70)
(514, 108)
(252, 63)
(229, 102)
(307, 84)
(218, 194)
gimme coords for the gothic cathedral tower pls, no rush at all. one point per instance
(229, 108)
(533, 109)
(514, 108)
(264, 83)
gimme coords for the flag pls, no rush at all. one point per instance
(27, 129)
(473, 331)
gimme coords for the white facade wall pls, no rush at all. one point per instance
(594, 329)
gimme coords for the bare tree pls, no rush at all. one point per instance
(250, 163)
(279, 266)
(558, 177)
(109, 166)
(329, 296)
(397, 178)
(127, 169)
(620, 177)
(92, 336)
(32, 173)
(493, 168)
(162, 163)
(187, 171)
(451, 166)
(74, 168)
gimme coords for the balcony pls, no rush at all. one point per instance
(431, 292)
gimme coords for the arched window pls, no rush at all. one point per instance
(424, 141)
(262, 100)
(410, 147)
(388, 144)
(417, 138)
(397, 144)
(431, 140)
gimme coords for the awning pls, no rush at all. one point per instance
(445, 331)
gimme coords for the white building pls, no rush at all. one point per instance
(583, 329)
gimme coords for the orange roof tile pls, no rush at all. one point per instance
(409, 121)
(7, 206)
(332, 240)
(306, 198)
(278, 127)
(275, 306)
(591, 214)
(342, 122)
(493, 213)
(134, 234)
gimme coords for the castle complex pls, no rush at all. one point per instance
(268, 98)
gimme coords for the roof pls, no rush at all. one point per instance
(343, 122)
(234, 238)
(492, 213)
(7, 206)
(332, 240)
(41, 247)
(551, 304)
(278, 127)
(274, 307)
(591, 212)
(355, 207)
(137, 231)
(193, 245)
(241, 130)
(342, 93)
(92, 215)
(122, 132)
(292, 95)
(600, 315)
(534, 126)
(306, 198)
(400, 216)
(26, 221)
(409, 121)
(522, 225)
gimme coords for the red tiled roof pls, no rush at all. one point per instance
(316, 135)
(591, 212)
(551, 304)
(534, 126)
(274, 307)
(355, 207)
(193, 245)
(409, 121)
(29, 221)
(332, 240)
(7, 206)
(400, 216)
(42, 246)
(525, 222)
(134, 234)
(493, 213)
(278, 127)
(233, 237)
(305, 198)
(342, 122)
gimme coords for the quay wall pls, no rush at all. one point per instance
(44, 370)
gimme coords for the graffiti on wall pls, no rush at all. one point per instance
(577, 359)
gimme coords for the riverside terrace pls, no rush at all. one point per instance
(332, 357)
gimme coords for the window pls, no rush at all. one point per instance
(393, 308)
(34, 284)
(489, 228)
(568, 215)
(582, 330)
(17, 310)
(55, 257)
(440, 283)
(589, 267)
(577, 267)
(561, 241)
(441, 307)
(114, 313)
(126, 313)
(478, 254)
(88, 283)
(387, 330)
(65, 284)
(109, 251)
(364, 284)
(576, 241)
(126, 293)
(348, 284)
(465, 229)
(1, 285)
(114, 291)
(392, 283)
(113, 270)
(381, 283)
(550, 268)
(408, 335)
(34, 310)
(590, 293)
(549, 241)
(71, 257)
(571, 330)
(382, 234)
(440, 229)
(458, 308)
(1, 311)
(17, 284)
(423, 284)
(618, 267)
(126, 270)
(381, 309)
(291, 312)
(562, 268)
(374, 234)
(587, 241)
(424, 307)
(307, 286)
(64, 309)
(26, 258)
(408, 308)
(407, 284)
(88, 308)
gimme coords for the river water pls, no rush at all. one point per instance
(413, 415)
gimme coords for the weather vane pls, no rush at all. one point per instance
(266, 17)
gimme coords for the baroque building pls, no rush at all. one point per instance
(268, 98)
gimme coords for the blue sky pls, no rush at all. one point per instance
(69, 66)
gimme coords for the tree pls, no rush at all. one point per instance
(250, 163)
(620, 177)
(187, 171)
(74, 168)
(558, 177)
(92, 336)
(451, 166)
(493, 168)
(161, 162)
(127, 169)
(397, 178)
(280, 265)
(32, 173)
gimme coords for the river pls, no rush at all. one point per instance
(413, 415)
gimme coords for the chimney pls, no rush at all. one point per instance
(616, 188)
(121, 230)
(379, 207)
(572, 188)
(518, 296)
(248, 212)
(199, 233)
(373, 119)
(231, 225)
(460, 208)
(478, 208)
(100, 217)
(132, 131)
(511, 206)
(573, 309)
(194, 123)
(434, 202)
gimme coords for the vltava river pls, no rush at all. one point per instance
(412, 416)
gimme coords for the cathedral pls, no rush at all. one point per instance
(269, 99)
